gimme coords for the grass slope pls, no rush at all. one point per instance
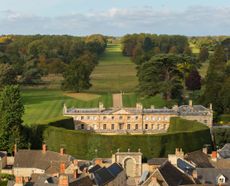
(130, 100)
(41, 105)
(114, 73)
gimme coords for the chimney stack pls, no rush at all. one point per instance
(75, 162)
(210, 106)
(205, 150)
(15, 149)
(63, 180)
(62, 151)
(214, 156)
(75, 173)
(190, 103)
(139, 106)
(18, 181)
(62, 168)
(44, 148)
(194, 174)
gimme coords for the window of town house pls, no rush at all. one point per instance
(146, 126)
(153, 118)
(136, 126)
(120, 117)
(158, 126)
(82, 117)
(146, 118)
(104, 126)
(112, 126)
(128, 117)
(112, 117)
(136, 117)
(88, 117)
(82, 126)
(205, 121)
(128, 126)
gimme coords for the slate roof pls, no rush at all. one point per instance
(185, 166)
(49, 161)
(173, 176)
(209, 175)
(103, 176)
(3, 154)
(194, 110)
(115, 169)
(225, 151)
(182, 110)
(198, 158)
(94, 168)
(84, 181)
(157, 161)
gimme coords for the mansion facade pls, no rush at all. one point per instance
(137, 120)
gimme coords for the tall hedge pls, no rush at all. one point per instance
(82, 145)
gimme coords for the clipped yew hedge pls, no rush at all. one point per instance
(189, 135)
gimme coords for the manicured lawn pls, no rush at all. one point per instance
(41, 105)
(114, 73)
(130, 100)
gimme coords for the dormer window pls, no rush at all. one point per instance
(220, 179)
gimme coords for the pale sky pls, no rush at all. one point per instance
(115, 17)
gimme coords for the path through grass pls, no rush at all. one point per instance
(114, 73)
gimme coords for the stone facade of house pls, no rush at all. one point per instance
(135, 120)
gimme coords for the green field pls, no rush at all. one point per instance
(130, 100)
(41, 105)
(114, 73)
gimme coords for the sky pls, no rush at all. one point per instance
(115, 17)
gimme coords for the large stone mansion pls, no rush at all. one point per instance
(135, 120)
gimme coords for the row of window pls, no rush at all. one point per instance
(128, 127)
(122, 117)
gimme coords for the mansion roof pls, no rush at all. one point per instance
(181, 110)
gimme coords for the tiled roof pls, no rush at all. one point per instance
(48, 160)
(157, 161)
(173, 176)
(199, 158)
(225, 151)
(209, 175)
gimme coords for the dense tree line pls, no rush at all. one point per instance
(141, 47)
(165, 64)
(217, 84)
(32, 57)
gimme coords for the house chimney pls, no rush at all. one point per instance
(190, 103)
(101, 106)
(64, 109)
(62, 151)
(214, 156)
(205, 150)
(75, 173)
(139, 106)
(194, 174)
(15, 149)
(62, 168)
(63, 180)
(18, 181)
(44, 148)
(75, 162)
(210, 106)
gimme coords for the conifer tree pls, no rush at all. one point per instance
(11, 112)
